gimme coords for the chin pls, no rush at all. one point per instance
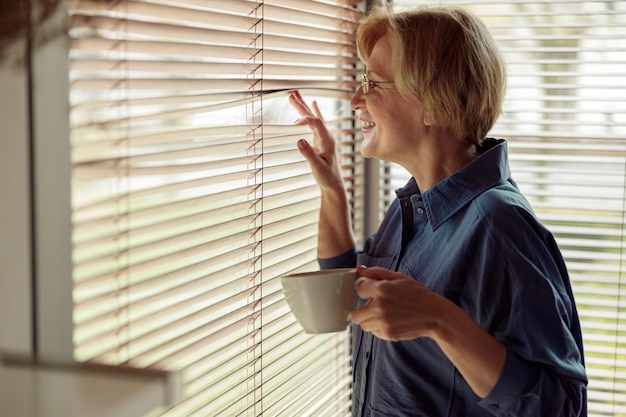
(372, 152)
(367, 148)
(364, 153)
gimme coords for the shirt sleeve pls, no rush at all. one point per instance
(524, 389)
(544, 374)
(345, 260)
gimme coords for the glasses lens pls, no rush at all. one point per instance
(365, 84)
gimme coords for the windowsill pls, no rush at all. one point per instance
(34, 389)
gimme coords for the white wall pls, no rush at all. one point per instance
(51, 188)
(35, 212)
(15, 231)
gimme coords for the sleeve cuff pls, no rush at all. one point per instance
(345, 260)
(517, 375)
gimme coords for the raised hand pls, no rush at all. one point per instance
(335, 235)
(322, 155)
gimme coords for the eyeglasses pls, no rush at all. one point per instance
(367, 84)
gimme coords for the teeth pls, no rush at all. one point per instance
(368, 124)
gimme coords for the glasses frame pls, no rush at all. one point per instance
(367, 84)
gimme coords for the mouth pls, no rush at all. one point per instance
(367, 124)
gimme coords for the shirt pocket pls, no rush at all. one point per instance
(386, 262)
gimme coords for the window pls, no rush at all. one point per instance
(190, 198)
(565, 119)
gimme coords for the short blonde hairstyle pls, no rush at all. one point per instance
(445, 58)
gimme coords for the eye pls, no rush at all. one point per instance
(367, 84)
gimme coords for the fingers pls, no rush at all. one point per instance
(367, 316)
(317, 161)
(313, 122)
(317, 111)
(321, 153)
(303, 109)
(376, 285)
(378, 273)
(300, 105)
(359, 281)
(308, 117)
(366, 288)
(323, 142)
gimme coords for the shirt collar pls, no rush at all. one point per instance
(448, 196)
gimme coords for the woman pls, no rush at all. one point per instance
(470, 310)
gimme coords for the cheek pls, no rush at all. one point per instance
(386, 121)
(397, 106)
(387, 110)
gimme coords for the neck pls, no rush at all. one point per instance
(439, 161)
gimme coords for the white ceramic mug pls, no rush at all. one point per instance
(321, 300)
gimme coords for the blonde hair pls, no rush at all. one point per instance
(445, 58)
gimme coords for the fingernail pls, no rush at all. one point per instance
(302, 144)
(295, 122)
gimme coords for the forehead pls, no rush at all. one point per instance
(380, 63)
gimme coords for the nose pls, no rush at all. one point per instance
(357, 101)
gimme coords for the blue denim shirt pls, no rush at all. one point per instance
(474, 239)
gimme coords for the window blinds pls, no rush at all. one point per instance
(190, 198)
(565, 120)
